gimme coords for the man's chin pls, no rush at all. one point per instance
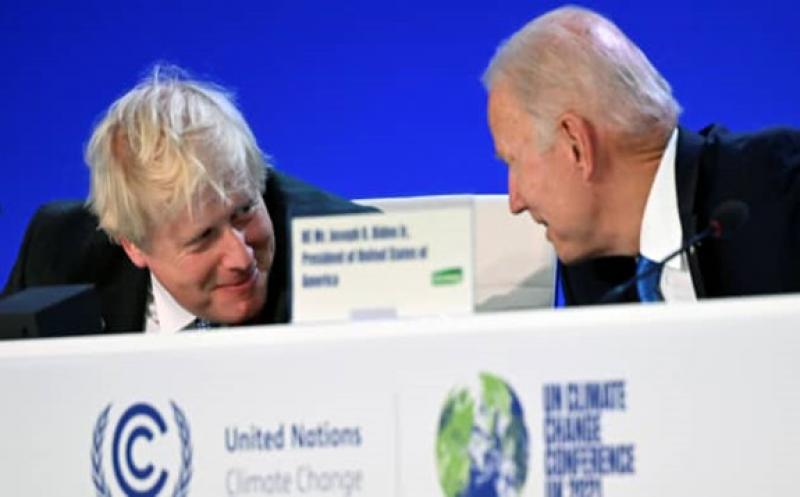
(236, 313)
(233, 319)
(569, 255)
(575, 257)
(233, 309)
(570, 259)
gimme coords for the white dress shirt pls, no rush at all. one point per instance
(164, 314)
(661, 232)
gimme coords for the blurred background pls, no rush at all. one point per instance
(366, 99)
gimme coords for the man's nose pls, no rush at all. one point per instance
(237, 253)
(515, 203)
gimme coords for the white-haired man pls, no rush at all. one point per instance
(588, 129)
(193, 221)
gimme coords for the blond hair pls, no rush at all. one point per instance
(160, 146)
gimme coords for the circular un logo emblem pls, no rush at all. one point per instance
(144, 451)
(482, 442)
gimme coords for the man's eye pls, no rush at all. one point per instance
(244, 210)
(202, 237)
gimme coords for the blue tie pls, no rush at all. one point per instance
(648, 285)
(201, 324)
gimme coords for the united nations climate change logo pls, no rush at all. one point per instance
(482, 443)
(142, 445)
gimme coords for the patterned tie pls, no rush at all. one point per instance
(649, 273)
(200, 324)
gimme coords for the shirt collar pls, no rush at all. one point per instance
(661, 232)
(171, 315)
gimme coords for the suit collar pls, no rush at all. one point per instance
(122, 287)
(687, 168)
(124, 299)
(661, 229)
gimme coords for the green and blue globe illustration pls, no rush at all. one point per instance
(482, 443)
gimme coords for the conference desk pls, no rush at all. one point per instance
(653, 400)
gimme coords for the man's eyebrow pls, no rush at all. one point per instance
(197, 235)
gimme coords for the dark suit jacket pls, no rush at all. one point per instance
(63, 245)
(761, 257)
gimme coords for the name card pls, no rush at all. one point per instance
(382, 265)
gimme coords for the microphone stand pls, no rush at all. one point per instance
(615, 293)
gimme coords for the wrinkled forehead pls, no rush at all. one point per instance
(225, 169)
(221, 193)
(226, 191)
(219, 182)
(207, 208)
(508, 120)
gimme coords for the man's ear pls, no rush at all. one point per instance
(135, 254)
(578, 137)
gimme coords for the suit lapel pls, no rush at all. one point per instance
(124, 298)
(122, 286)
(687, 166)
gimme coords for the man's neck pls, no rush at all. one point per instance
(623, 196)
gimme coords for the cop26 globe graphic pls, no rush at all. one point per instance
(482, 442)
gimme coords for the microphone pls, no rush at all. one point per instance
(727, 217)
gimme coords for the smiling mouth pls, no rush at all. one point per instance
(243, 284)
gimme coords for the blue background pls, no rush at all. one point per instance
(363, 98)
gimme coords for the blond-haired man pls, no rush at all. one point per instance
(193, 222)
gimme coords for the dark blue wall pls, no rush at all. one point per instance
(378, 98)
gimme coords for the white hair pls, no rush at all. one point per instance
(160, 146)
(573, 59)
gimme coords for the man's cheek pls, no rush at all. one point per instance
(205, 282)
